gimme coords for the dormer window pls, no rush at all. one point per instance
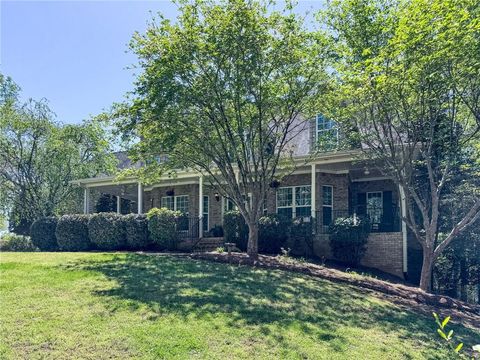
(327, 133)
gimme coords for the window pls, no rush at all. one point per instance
(206, 203)
(294, 201)
(176, 203)
(327, 204)
(228, 205)
(375, 206)
(161, 158)
(327, 133)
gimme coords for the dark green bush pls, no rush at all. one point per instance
(72, 233)
(235, 230)
(216, 231)
(136, 231)
(42, 233)
(300, 241)
(14, 242)
(272, 234)
(348, 239)
(107, 231)
(162, 228)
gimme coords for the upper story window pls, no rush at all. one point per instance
(161, 158)
(327, 133)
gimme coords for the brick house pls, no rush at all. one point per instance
(324, 186)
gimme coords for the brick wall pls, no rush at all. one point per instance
(384, 251)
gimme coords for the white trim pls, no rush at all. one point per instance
(313, 189)
(323, 205)
(403, 208)
(119, 207)
(224, 200)
(140, 198)
(175, 197)
(86, 200)
(381, 202)
(372, 179)
(294, 206)
(205, 213)
(200, 205)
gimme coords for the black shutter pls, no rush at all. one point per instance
(361, 204)
(387, 219)
(313, 134)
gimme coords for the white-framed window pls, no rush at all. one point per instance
(228, 205)
(327, 204)
(176, 203)
(161, 158)
(294, 201)
(375, 206)
(205, 217)
(326, 132)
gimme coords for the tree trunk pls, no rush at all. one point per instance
(252, 247)
(426, 274)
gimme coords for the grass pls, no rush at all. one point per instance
(97, 306)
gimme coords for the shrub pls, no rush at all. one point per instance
(72, 233)
(272, 234)
(107, 231)
(42, 233)
(235, 229)
(162, 228)
(216, 231)
(14, 242)
(136, 231)
(301, 237)
(348, 239)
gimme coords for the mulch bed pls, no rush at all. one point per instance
(410, 298)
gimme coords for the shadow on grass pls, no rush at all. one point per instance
(254, 297)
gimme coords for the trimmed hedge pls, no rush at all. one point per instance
(235, 230)
(72, 233)
(107, 231)
(42, 233)
(348, 239)
(272, 234)
(136, 231)
(162, 227)
(14, 242)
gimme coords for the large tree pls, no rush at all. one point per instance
(408, 80)
(224, 90)
(39, 157)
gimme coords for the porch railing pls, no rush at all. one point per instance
(188, 227)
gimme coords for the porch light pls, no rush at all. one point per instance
(217, 196)
(366, 171)
(170, 192)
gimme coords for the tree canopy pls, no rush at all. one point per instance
(407, 78)
(224, 90)
(39, 157)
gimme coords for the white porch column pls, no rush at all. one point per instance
(403, 208)
(86, 200)
(314, 191)
(119, 205)
(200, 206)
(140, 198)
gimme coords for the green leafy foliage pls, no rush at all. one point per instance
(162, 227)
(136, 231)
(348, 239)
(72, 233)
(42, 233)
(273, 233)
(107, 231)
(223, 84)
(235, 229)
(14, 242)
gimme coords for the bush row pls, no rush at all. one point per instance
(106, 231)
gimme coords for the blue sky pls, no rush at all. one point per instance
(73, 53)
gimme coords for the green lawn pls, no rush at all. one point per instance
(94, 306)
